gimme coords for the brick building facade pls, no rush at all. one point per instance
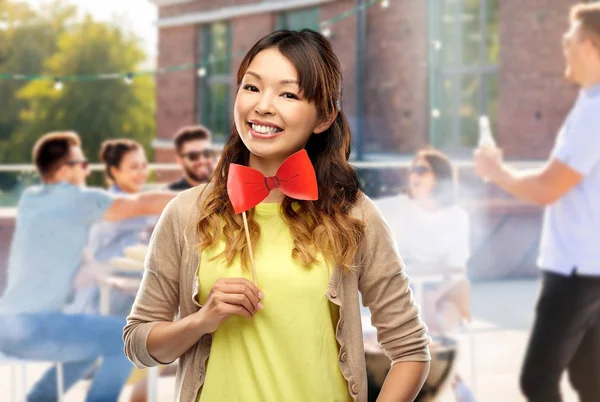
(525, 92)
(432, 68)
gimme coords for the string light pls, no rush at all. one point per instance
(385, 4)
(58, 84)
(128, 78)
(435, 113)
(201, 72)
(326, 31)
(437, 45)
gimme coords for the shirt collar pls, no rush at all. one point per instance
(115, 189)
(592, 91)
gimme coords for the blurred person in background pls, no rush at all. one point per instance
(566, 332)
(195, 155)
(432, 233)
(126, 172)
(52, 225)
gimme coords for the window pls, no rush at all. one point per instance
(298, 19)
(213, 109)
(463, 82)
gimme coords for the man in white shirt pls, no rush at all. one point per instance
(566, 333)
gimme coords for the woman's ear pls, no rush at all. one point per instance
(112, 170)
(324, 125)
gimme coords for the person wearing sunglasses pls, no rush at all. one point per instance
(195, 155)
(126, 172)
(432, 234)
(52, 225)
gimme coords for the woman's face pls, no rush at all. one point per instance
(271, 115)
(132, 174)
(421, 179)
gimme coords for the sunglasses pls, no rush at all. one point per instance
(420, 170)
(193, 156)
(83, 163)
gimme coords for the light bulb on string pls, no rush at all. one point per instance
(326, 31)
(435, 113)
(58, 84)
(201, 72)
(128, 78)
(385, 4)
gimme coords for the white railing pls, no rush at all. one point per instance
(390, 163)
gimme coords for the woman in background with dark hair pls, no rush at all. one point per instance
(126, 170)
(432, 233)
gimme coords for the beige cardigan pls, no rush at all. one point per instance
(170, 286)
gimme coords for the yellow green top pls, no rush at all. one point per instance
(288, 351)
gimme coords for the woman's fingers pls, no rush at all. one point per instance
(238, 299)
(245, 282)
(243, 290)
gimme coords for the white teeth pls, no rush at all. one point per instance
(263, 129)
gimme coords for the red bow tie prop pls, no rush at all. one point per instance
(248, 187)
(295, 178)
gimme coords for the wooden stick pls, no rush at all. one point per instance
(249, 248)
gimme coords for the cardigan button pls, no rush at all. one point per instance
(333, 293)
(343, 357)
(354, 388)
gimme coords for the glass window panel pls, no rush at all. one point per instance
(493, 33)
(464, 81)
(469, 110)
(471, 31)
(215, 87)
(298, 19)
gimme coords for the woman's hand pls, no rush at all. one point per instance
(227, 297)
(232, 296)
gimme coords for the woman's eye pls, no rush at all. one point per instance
(289, 95)
(251, 88)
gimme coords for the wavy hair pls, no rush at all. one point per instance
(323, 226)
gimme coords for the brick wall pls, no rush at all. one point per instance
(534, 98)
(199, 6)
(343, 40)
(396, 88)
(176, 91)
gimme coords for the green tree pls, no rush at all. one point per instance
(97, 110)
(27, 38)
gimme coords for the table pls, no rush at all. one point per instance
(129, 285)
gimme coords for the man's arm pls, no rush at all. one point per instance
(540, 187)
(150, 203)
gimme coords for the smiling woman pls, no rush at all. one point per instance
(296, 335)
(271, 106)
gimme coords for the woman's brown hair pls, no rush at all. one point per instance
(112, 153)
(445, 192)
(322, 226)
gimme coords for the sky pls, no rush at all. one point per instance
(141, 15)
